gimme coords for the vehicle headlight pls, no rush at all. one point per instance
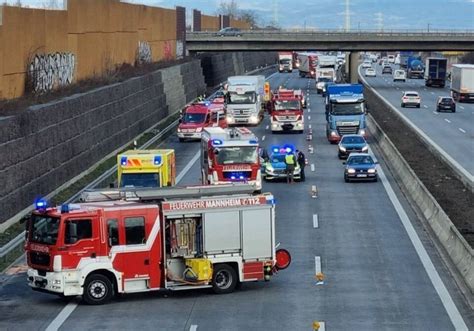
(372, 171)
(229, 119)
(334, 133)
(253, 119)
(365, 148)
(351, 171)
(198, 129)
(269, 168)
(362, 132)
(342, 148)
(179, 129)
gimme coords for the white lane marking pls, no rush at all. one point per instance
(309, 117)
(312, 167)
(309, 126)
(322, 326)
(398, 88)
(315, 221)
(309, 110)
(71, 306)
(463, 131)
(317, 264)
(193, 327)
(435, 112)
(432, 93)
(62, 316)
(425, 106)
(263, 138)
(438, 284)
(461, 107)
(267, 127)
(447, 120)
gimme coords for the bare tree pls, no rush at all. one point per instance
(51, 4)
(229, 8)
(250, 17)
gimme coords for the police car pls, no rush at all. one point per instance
(274, 167)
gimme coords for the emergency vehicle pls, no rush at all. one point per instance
(146, 168)
(287, 111)
(151, 239)
(200, 115)
(230, 155)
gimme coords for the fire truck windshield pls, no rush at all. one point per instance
(235, 155)
(244, 98)
(194, 118)
(287, 105)
(141, 180)
(44, 229)
(347, 108)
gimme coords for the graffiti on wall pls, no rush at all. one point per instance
(179, 49)
(167, 50)
(49, 71)
(144, 52)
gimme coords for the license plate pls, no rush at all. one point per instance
(361, 175)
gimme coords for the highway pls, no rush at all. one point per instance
(453, 132)
(381, 270)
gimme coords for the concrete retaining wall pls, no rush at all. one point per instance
(47, 145)
(459, 251)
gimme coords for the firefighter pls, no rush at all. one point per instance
(290, 162)
(301, 158)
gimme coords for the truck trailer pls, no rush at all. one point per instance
(462, 82)
(435, 71)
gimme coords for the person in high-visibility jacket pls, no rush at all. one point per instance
(290, 161)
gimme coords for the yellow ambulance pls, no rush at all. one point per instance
(146, 168)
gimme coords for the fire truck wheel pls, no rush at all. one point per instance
(98, 289)
(224, 279)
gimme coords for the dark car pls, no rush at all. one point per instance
(360, 166)
(229, 32)
(445, 104)
(387, 70)
(352, 143)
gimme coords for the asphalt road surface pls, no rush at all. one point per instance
(453, 132)
(381, 269)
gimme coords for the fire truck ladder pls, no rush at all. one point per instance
(154, 194)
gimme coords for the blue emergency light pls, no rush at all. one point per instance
(253, 141)
(275, 149)
(217, 142)
(123, 160)
(288, 148)
(207, 103)
(157, 160)
(41, 204)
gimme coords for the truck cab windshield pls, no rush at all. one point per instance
(287, 105)
(141, 180)
(347, 108)
(194, 118)
(244, 98)
(44, 229)
(236, 155)
(285, 61)
(324, 79)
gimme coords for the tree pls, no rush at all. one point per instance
(229, 8)
(250, 17)
(51, 4)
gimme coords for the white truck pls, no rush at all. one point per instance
(285, 61)
(244, 101)
(462, 82)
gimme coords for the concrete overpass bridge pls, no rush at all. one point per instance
(331, 40)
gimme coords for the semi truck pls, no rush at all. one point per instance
(345, 111)
(435, 71)
(230, 155)
(197, 116)
(462, 82)
(285, 61)
(404, 55)
(145, 240)
(146, 168)
(415, 68)
(286, 112)
(245, 99)
(308, 63)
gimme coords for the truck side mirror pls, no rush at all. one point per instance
(180, 120)
(71, 233)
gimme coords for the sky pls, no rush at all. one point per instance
(329, 14)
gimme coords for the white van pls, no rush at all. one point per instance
(400, 75)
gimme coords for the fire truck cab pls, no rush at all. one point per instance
(146, 240)
(146, 168)
(200, 115)
(287, 111)
(230, 155)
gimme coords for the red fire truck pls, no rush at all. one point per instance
(308, 64)
(287, 111)
(151, 239)
(200, 115)
(230, 155)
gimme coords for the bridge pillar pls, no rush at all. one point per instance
(353, 66)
